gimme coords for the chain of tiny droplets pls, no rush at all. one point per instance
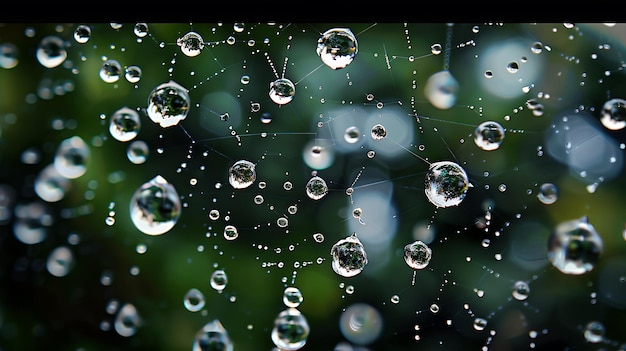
(446, 54)
(269, 61)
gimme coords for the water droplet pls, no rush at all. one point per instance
(574, 246)
(378, 132)
(446, 184)
(133, 74)
(292, 296)
(168, 104)
(613, 114)
(361, 324)
(155, 206)
(212, 336)
(230, 232)
(337, 47)
(291, 330)
(548, 193)
(140, 29)
(60, 261)
(8, 55)
(594, 332)
(127, 320)
(51, 51)
(417, 254)
(124, 124)
(282, 91)
(71, 157)
(191, 44)
(219, 280)
(521, 290)
(348, 256)
(441, 90)
(82, 34)
(194, 300)
(242, 174)
(352, 134)
(489, 135)
(316, 188)
(50, 185)
(137, 152)
(110, 71)
(479, 324)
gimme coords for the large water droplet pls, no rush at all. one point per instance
(574, 246)
(594, 332)
(127, 320)
(155, 206)
(51, 51)
(292, 296)
(219, 280)
(212, 337)
(82, 34)
(242, 174)
(521, 290)
(168, 104)
(191, 44)
(548, 193)
(613, 114)
(316, 188)
(348, 256)
(489, 135)
(282, 91)
(124, 124)
(337, 47)
(194, 300)
(110, 71)
(441, 90)
(71, 157)
(446, 184)
(8, 55)
(50, 185)
(417, 254)
(291, 330)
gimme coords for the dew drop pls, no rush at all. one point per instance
(291, 330)
(125, 124)
(574, 246)
(219, 280)
(489, 135)
(282, 91)
(110, 71)
(194, 300)
(155, 206)
(292, 296)
(242, 174)
(51, 51)
(191, 44)
(168, 104)
(212, 336)
(71, 157)
(316, 188)
(446, 184)
(417, 254)
(337, 47)
(613, 114)
(348, 256)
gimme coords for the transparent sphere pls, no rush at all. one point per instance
(594, 332)
(194, 300)
(489, 135)
(348, 256)
(574, 247)
(316, 188)
(191, 44)
(168, 104)
(292, 296)
(242, 174)
(8, 55)
(212, 337)
(219, 280)
(378, 132)
(71, 157)
(291, 330)
(231, 232)
(125, 124)
(110, 71)
(51, 51)
(82, 34)
(155, 206)
(548, 193)
(337, 47)
(613, 114)
(521, 290)
(446, 184)
(441, 90)
(282, 91)
(417, 254)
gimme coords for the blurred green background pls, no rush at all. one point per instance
(497, 236)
